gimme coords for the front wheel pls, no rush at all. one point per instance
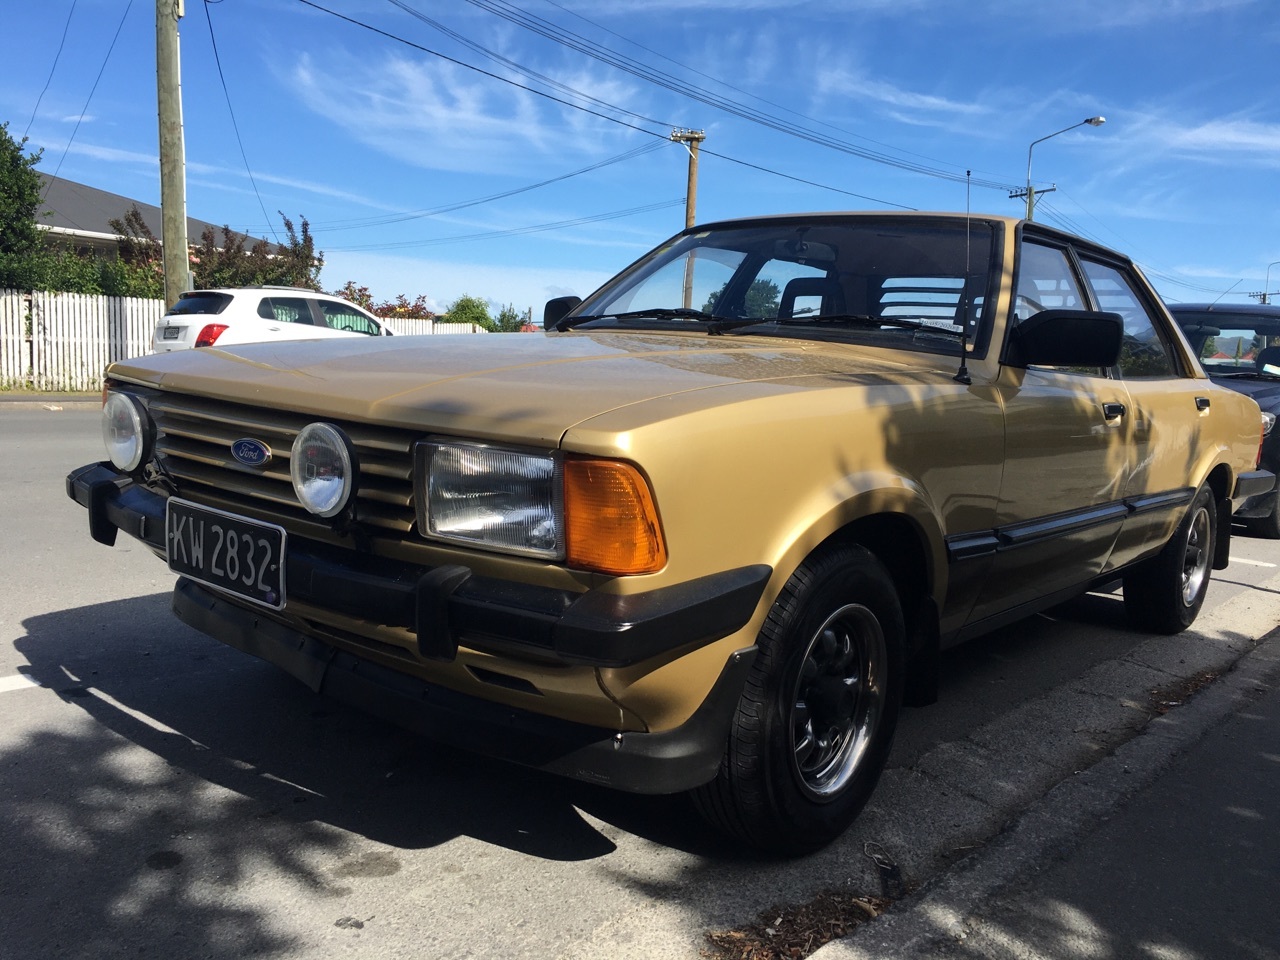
(817, 717)
(1165, 593)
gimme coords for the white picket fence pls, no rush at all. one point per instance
(64, 341)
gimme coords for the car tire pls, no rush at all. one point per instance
(1267, 527)
(817, 717)
(1165, 593)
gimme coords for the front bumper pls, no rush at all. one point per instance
(653, 763)
(448, 606)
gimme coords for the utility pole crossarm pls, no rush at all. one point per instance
(690, 139)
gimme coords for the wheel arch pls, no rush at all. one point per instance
(911, 550)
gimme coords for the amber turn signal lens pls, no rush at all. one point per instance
(611, 521)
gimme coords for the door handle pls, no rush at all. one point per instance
(1202, 404)
(1113, 411)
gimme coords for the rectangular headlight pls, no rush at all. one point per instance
(493, 497)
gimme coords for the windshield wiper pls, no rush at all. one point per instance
(841, 319)
(860, 320)
(656, 313)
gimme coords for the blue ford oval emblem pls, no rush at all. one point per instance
(252, 453)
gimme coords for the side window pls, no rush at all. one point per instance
(285, 309)
(1145, 352)
(1045, 282)
(340, 316)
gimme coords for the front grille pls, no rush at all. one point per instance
(194, 438)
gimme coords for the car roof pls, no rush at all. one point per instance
(1251, 312)
(1009, 223)
(299, 291)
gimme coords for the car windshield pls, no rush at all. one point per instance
(820, 277)
(1229, 344)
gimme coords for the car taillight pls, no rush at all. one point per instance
(210, 334)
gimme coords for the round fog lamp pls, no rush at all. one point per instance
(323, 467)
(124, 431)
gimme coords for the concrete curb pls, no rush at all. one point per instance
(915, 929)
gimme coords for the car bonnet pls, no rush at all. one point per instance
(501, 385)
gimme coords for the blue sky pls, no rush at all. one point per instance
(384, 146)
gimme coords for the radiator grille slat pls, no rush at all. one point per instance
(194, 443)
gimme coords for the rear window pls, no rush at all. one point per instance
(201, 303)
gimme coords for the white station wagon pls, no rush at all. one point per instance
(234, 315)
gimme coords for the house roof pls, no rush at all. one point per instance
(85, 212)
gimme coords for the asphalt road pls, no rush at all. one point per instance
(162, 795)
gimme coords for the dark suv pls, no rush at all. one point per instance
(1239, 347)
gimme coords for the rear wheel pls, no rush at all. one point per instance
(1164, 594)
(817, 716)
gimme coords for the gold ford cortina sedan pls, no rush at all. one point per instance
(710, 530)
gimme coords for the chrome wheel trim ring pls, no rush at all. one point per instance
(837, 701)
(1196, 557)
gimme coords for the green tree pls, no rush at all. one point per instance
(227, 263)
(20, 238)
(761, 300)
(508, 320)
(468, 309)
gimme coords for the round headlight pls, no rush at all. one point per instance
(323, 468)
(125, 431)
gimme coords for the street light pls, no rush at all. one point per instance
(1031, 193)
(1266, 284)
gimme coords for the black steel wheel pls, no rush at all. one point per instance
(1165, 593)
(816, 720)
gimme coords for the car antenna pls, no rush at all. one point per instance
(962, 375)
(1226, 291)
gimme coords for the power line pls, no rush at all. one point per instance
(56, 57)
(89, 99)
(723, 83)
(463, 204)
(487, 73)
(516, 231)
(550, 31)
(235, 126)
(511, 64)
(811, 183)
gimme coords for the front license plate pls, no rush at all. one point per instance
(219, 549)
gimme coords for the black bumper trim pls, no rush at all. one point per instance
(447, 606)
(652, 763)
(1254, 483)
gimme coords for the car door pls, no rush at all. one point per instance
(1067, 455)
(1168, 407)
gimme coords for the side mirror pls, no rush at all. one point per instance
(1066, 338)
(556, 310)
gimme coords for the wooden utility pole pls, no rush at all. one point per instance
(173, 178)
(690, 139)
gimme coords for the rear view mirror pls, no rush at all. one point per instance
(1066, 338)
(556, 310)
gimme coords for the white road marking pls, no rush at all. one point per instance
(17, 682)
(1253, 563)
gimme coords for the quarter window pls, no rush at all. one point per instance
(285, 309)
(1045, 282)
(1145, 351)
(339, 316)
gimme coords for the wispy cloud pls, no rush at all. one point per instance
(440, 116)
(906, 106)
(1228, 141)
